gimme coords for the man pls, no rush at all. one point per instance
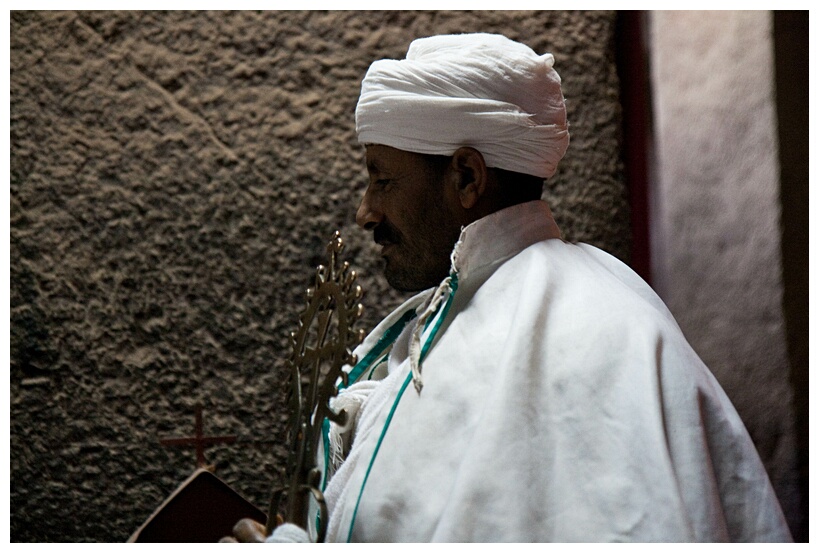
(553, 396)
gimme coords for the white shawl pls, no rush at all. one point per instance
(561, 403)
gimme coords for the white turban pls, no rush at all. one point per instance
(480, 90)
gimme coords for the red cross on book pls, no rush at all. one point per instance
(203, 508)
(199, 440)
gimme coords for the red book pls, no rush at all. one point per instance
(203, 509)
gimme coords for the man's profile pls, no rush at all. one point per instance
(534, 389)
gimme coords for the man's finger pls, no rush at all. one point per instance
(248, 530)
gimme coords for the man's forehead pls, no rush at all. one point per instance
(381, 158)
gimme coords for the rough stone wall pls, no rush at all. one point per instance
(716, 234)
(174, 180)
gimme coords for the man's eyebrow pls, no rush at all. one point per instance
(373, 167)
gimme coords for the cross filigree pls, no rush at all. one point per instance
(322, 345)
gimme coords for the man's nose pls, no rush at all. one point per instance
(368, 216)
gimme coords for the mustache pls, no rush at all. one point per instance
(385, 233)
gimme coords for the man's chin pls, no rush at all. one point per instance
(406, 279)
(399, 282)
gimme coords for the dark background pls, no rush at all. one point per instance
(174, 180)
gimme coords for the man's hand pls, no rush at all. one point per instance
(246, 530)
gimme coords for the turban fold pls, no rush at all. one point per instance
(480, 90)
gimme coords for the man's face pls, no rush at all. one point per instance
(410, 211)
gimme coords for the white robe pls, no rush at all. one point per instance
(561, 402)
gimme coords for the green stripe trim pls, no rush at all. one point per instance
(375, 453)
(377, 364)
(325, 434)
(453, 283)
(385, 341)
(439, 320)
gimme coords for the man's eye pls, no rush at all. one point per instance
(382, 182)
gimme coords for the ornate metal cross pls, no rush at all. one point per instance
(199, 440)
(322, 346)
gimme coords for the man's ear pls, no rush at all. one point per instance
(470, 174)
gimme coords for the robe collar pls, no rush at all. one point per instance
(502, 235)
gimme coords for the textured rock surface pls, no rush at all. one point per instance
(174, 180)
